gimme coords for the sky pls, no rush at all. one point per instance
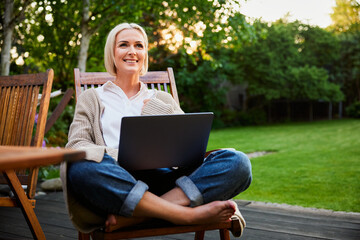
(313, 12)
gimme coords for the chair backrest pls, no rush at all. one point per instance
(161, 80)
(20, 123)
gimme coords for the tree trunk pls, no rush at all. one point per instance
(84, 47)
(340, 109)
(357, 84)
(288, 110)
(269, 114)
(85, 36)
(8, 33)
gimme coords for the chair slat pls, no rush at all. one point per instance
(25, 109)
(32, 113)
(3, 109)
(3, 112)
(21, 115)
(10, 116)
(14, 130)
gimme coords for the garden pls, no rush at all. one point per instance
(213, 48)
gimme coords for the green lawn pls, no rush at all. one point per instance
(313, 165)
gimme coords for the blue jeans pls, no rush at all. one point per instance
(107, 188)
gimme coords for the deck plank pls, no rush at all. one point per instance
(262, 223)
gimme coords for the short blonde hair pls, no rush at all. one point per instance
(109, 58)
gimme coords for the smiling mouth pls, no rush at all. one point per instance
(131, 61)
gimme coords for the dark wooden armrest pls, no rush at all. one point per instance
(208, 153)
(59, 109)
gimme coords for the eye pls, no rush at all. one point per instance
(139, 45)
(122, 45)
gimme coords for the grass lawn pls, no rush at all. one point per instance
(315, 164)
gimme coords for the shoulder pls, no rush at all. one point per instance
(88, 99)
(89, 96)
(164, 96)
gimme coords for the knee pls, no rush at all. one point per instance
(78, 172)
(240, 167)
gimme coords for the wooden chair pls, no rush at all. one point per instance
(164, 81)
(18, 108)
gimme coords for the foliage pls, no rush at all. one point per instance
(346, 23)
(308, 162)
(353, 110)
(266, 62)
(49, 172)
(311, 83)
(231, 118)
(202, 90)
(346, 16)
(348, 68)
(208, 43)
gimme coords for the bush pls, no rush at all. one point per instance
(353, 110)
(230, 118)
(252, 117)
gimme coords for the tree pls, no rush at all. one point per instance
(349, 65)
(266, 62)
(311, 84)
(95, 14)
(14, 13)
(346, 16)
(291, 62)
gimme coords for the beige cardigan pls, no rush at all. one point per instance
(85, 134)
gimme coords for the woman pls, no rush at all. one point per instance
(100, 193)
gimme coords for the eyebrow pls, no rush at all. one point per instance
(124, 41)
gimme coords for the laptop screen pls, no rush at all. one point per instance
(161, 141)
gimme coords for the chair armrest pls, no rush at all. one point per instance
(208, 153)
(59, 109)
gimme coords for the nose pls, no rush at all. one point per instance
(132, 51)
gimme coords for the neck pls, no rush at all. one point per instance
(130, 84)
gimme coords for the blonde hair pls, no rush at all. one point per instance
(109, 58)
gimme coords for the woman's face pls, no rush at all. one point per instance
(129, 51)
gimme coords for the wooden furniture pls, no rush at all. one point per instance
(18, 157)
(19, 118)
(19, 104)
(164, 81)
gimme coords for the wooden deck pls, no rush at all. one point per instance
(263, 222)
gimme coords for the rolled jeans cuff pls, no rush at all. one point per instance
(190, 190)
(133, 198)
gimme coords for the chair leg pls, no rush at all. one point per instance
(199, 235)
(24, 204)
(83, 236)
(224, 234)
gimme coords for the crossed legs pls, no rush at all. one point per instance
(173, 207)
(194, 199)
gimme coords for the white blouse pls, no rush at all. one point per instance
(117, 105)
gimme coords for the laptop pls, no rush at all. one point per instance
(163, 141)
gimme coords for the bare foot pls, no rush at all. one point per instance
(217, 211)
(114, 222)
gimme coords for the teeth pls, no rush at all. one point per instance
(130, 61)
